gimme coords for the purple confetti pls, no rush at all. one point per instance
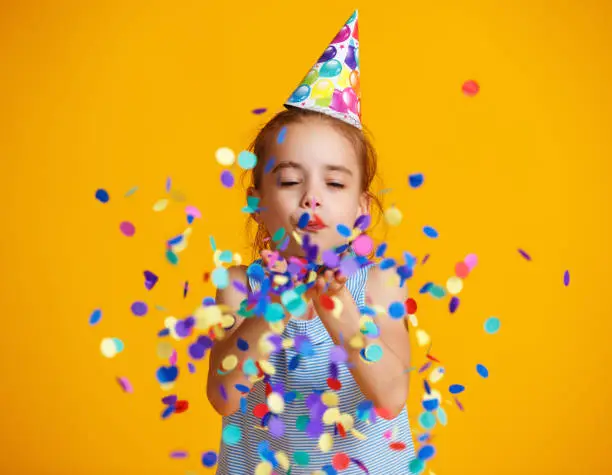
(240, 287)
(227, 179)
(139, 309)
(168, 184)
(179, 454)
(276, 426)
(197, 351)
(170, 400)
(566, 278)
(454, 304)
(524, 254)
(259, 111)
(191, 367)
(125, 384)
(223, 392)
(150, 279)
(330, 258)
(459, 405)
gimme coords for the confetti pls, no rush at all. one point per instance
(95, 316)
(363, 245)
(127, 228)
(130, 192)
(393, 216)
(231, 434)
(470, 88)
(161, 204)
(524, 254)
(227, 179)
(150, 279)
(125, 384)
(492, 325)
(456, 389)
(415, 180)
(281, 135)
(482, 370)
(139, 309)
(110, 347)
(247, 160)
(209, 459)
(269, 165)
(259, 111)
(566, 278)
(430, 232)
(225, 156)
(102, 195)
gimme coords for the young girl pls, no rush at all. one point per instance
(321, 382)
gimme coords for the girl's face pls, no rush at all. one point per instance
(316, 171)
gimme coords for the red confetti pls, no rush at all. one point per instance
(334, 384)
(470, 88)
(462, 270)
(260, 410)
(341, 430)
(326, 302)
(181, 406)
(411, 306)
(341, 461)
(206, 276)
(397, 446)
(384, 413)
(432, 358)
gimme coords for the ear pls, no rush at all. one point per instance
(251, 191)
(365, 200)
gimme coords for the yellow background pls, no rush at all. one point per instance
(120, 94)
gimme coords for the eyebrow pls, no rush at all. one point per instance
(289, 164)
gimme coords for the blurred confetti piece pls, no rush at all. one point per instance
(259, 111)
(492, 325)
(125, 384)
(102, 195)
(430, 232)
(225, 156)
(393, 216)
(161, 205)
(415, 180)
(95, 316)
(482, 370)
(127, 228)
(131, 191)
(168, 184)
(209, 459)
(227, 179)
(524, 254)
(470, 88)
(179, 454)
(150, 279)
(566, 278)
(281, 135)
(110, 347)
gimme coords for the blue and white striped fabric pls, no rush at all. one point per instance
(311, 375)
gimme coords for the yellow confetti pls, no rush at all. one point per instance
(280, 279)
(108, 348)
(178, 196)
(358, 434)
(436, 375)
(454, 285)
(422, 337)
(393, 216)
(264, 468)
(330, 398)
(225, 156)
(167, 386)
(170, 324)
(331, 415)
(282, 459)
(267, 367)
(276, 403)
(357, 341)
(278, 327)
(161, 205)
(237, 259)
(338, 307)
(326, 442)
(347, 421)
(229, 363)
(207, 317)
(298, 238)
(414, 321)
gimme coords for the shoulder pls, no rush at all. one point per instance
(384, 285)
(230, 295)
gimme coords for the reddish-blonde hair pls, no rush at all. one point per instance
(360, 139)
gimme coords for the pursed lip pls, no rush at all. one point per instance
(315, 224)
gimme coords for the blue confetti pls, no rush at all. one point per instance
(95, 317)
(242, 345)
(415, 180)
(380, 251)
(269, 165)
(397, 310)
(430, 232)
(456, 389)
(102, 196)
(343, 230)
(453, 304)
(303, 221)
(482, 370)
(281, 135)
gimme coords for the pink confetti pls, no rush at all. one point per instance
(470, 88)
(125, 384)
(127, 228)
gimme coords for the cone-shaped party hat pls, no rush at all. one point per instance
(332, 84)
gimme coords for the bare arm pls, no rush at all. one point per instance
(251, 330)
(386, 381)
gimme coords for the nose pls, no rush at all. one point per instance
(310, 201)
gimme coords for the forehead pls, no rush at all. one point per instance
(316, 143)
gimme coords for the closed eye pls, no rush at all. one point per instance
(336, 185)
(288, 183)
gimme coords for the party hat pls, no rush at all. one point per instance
(332, 84)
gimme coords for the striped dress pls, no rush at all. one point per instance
(372, 455)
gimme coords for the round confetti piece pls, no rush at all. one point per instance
(225, 156)
(363, 245)
(470, 88)
(373, 353)
(301, 458)
(415, 180)
(127, 228)
(161, 205)
(482, 370)
(276, 403)
(95, 316)
(108, 347)
(231, 434)
(209, 459)
(326, 442)
(139, 309)
(102, 195)
(462, 270)
(430, 232)
(454, 285)
(393, 216)
(471, 260)
(302, 422)
(397, 310)
(492, 325)
(227, 179)
(164, 350)
(427, 420)
(229, 363)
(220, 277)
(411, 306)
(416, 466)
(263, 468)
(341, 461)
(247, 160)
